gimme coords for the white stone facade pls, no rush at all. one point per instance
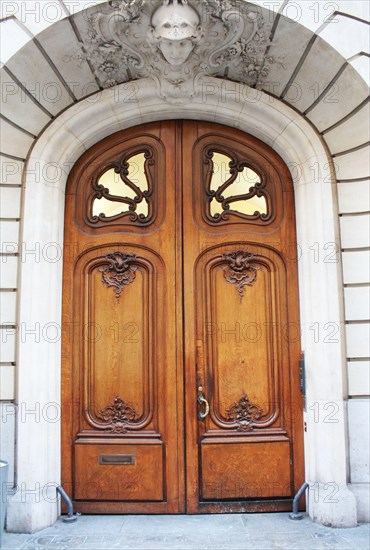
(313, 111)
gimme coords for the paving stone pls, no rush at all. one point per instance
(183, 524)
(214, 532)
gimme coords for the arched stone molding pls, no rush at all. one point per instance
(39, 353)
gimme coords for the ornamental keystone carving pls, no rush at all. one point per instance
(240, 270)
(119, 415)
(174, 42)
(119, 271)
(244, 413)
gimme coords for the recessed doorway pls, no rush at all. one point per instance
(181, 335)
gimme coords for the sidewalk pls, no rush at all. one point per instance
(227, 532)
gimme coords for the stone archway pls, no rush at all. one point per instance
(235, 105)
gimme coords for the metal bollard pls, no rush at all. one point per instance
(70, 517)
(295, 514)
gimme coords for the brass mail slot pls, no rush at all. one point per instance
(116, 459)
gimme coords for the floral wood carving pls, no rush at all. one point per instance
(244, 413)
(239, 270)
(119, 414)
(119, 271)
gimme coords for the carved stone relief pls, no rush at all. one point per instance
(175, 42)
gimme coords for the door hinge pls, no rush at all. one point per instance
(302, 374)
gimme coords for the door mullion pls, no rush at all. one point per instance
(179, 314)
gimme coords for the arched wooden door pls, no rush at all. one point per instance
(181, 336)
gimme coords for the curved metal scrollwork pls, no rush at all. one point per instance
(133, 193)
(235, 190)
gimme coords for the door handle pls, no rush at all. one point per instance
(202, 400)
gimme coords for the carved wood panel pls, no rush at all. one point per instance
(141, 479)
(118, 313)
(239, 309)
(246, 471)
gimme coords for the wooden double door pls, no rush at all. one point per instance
(181, 336)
